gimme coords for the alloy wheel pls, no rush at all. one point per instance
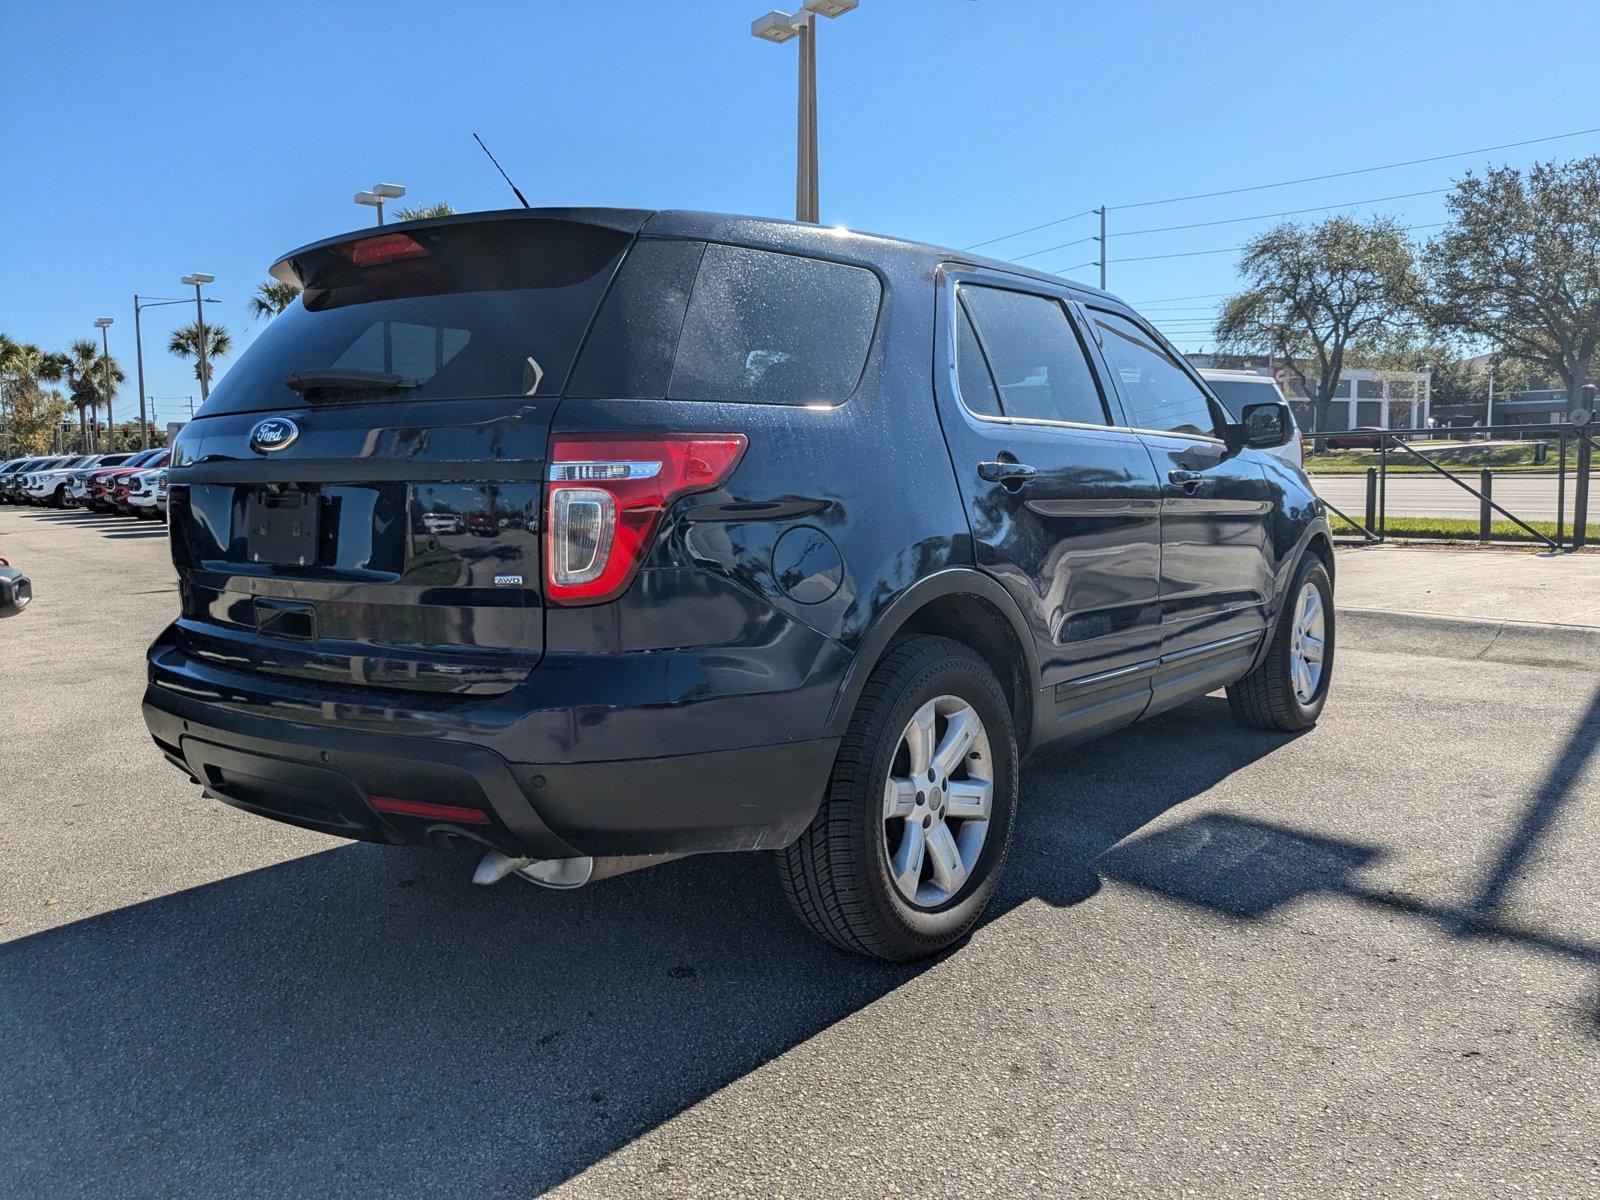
(1307, 643)
(937, 801)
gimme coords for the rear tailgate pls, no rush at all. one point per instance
(347, 558)
(358, 502)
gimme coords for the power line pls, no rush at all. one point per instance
(1261, 187)
(1293, 212)
(1197, 296)
(1048, 249)
(1410, 162)
(1226, 249)
(1032, 229)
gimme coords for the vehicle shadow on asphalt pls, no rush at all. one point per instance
(111, 525)
(1248, 869)
(362, 1019)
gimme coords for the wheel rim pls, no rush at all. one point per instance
(1308, 644)
(937, 801)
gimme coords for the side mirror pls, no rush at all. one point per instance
(15, 591)
(1263, 426)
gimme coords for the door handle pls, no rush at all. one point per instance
(1006, 472)
(1189, 481)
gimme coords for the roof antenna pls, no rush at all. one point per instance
(503, 174)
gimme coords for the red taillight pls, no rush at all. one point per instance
(433, 812)
(605, 499)
(386, 247)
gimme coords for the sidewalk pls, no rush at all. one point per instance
(1507, 606)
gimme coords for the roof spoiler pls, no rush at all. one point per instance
(624, 220)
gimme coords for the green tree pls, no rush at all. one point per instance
(30, 413)
(1518, 267)
(271, 298)
(85, 368)
(185, 344)
(1314, 291)
(421, 212)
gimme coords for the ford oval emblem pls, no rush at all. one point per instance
(273, 434)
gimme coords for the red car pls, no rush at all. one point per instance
(100, 493)
(1350, 440)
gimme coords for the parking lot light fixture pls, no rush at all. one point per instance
(198, 280)
(777, 26)
(103, 324)
(832, 9)
(374, 196)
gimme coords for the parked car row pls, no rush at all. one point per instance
(134, 484)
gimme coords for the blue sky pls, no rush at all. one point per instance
(146, 140)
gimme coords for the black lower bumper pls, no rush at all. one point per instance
(324, 778)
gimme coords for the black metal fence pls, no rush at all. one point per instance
(1571, 461)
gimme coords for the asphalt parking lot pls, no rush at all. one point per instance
(1360, 961)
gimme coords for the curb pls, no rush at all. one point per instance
(1530, 643)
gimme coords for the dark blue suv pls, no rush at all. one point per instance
(591, 538)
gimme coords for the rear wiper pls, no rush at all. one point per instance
(344, 381)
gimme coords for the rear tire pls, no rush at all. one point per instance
(908, 846)
(1287, 690)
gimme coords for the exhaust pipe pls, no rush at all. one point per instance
(562, 873)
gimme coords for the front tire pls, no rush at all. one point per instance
(908, 846)
(1287, 690)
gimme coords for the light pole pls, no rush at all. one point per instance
(197, 279)
(780, 27)
(103, 324)
(140, 304)
(378, 194)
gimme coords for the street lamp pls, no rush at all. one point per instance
(197, 279)
(780, 27)
(378, 194)
(140, 303)
(103, 324)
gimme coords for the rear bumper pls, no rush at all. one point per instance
(322, 777)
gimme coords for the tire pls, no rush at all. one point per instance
(838, 875)
(1274, 696)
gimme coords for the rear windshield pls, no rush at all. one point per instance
(490, 309)
(501, 309)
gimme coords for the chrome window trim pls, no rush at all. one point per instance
(956, 274)
(1184, 366)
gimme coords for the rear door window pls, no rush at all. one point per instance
(774, 329)
(1034, 356)
(972, 372)
(1157, 392)
(630, 349)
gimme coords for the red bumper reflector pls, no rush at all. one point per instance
(433, 812)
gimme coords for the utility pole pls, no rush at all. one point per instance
(138, 353)
(1488, 412)
(1102, 239)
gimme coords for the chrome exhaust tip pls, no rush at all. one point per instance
(561, 873)
(494, 867)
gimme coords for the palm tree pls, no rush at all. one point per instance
(26, 361)
(271, 298)
(85, 367)
(423, 211)
(185, 343)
